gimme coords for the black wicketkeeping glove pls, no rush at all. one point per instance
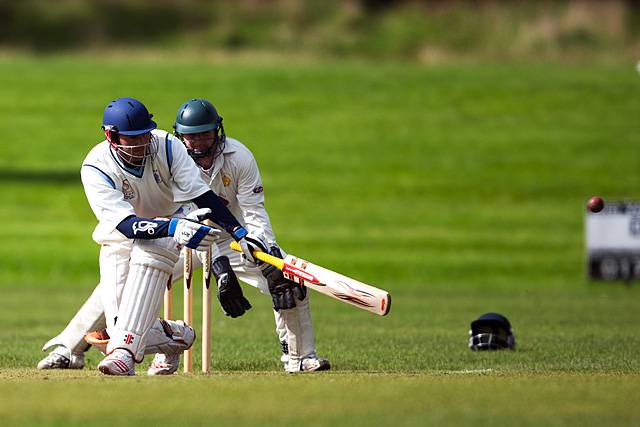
(230, 294)
(283, 291)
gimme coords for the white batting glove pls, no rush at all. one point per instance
(199, 215)
(190, 233)
(250, 242)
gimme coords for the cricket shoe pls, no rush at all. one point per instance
(308, 364)
(61, 358)
(120, 362)
(313, 364)
(164, 364)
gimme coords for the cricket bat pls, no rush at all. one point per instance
(330, 283)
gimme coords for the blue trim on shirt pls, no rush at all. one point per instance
(104, 175)
(168, 147)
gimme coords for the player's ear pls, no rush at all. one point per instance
(111, 134)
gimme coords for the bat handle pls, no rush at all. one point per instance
(269, 259)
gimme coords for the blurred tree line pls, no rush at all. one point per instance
(424, 30)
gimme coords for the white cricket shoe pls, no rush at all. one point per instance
(164, 364)
(308, 364)
(61, 358)
(312, 364)
(120, 362)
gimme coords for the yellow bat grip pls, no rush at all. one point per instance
(269, 259)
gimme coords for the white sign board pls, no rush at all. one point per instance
(613, 242)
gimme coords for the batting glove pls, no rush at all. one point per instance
(283, 291)
(190, 233)
(250, 242)
(230, 294)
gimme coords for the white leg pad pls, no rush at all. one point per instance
(169, 337)
(152, 262)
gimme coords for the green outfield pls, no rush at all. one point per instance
(459, 189)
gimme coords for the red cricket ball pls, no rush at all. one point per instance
(595, 204)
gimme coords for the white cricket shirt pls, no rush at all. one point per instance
(165, 182)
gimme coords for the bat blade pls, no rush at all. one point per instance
(336, 285)
(330, 283)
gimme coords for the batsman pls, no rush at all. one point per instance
(136, 182)
(230, 170)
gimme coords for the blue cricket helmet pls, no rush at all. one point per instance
(127, 116)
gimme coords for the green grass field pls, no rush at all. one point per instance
(460, 189)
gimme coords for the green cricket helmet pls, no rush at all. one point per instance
(196, 116)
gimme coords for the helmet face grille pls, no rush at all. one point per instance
(199, 116)
(127, 153)
(488, 341)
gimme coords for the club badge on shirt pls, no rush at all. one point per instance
(156, 176)
(127, 190)
(226, 180)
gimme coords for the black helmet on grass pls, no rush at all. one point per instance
(491, 331)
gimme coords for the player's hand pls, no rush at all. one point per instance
(230, 294)
(283, 291)
(190, 233)
(250, 242)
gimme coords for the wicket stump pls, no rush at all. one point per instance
(188, 307)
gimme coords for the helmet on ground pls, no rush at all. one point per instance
(491, 331)
(196, 116)
(127, 116)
